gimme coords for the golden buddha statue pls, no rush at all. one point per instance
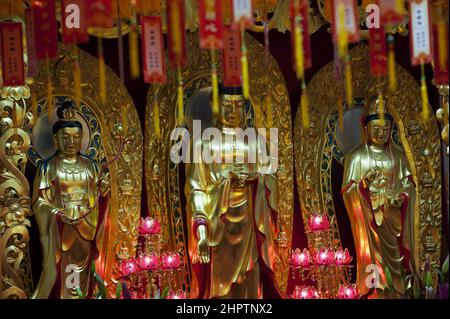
(379, 195)
(231, 205)
(68, 212)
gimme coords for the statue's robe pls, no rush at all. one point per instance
(240, 223)
(383, 234)
(67, 249)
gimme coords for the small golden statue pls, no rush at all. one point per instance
(231, 207)
(379, 194)
(68, 211)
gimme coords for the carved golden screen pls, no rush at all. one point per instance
(106, 135)
(164, 189)
(420, 143)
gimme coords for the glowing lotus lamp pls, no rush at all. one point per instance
(177, 295)
(149, 262)
(347, 292)
(149, 226)
(129, 267)
(171, 261)
(324, 257)
(318, 222)
(305, 292)
(342, 257)
(300, 258)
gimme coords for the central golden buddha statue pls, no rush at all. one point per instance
(379, 195)
(68, 212)
(231, 206)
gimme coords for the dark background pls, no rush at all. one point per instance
(280, 48)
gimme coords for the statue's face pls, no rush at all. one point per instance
(231, 109)
(68, 140)
(379, 131)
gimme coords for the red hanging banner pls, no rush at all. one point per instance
(391, 11)
(211, 25)
(32, 65)
(153, 50)
(74, 26)
(12, 54)
(232, 57)
(351, 20)
(99, 13)
(302, 15)
(44, 16)
(420, 32)
(378, 52)
(176, 22)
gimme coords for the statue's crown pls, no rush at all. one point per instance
(67, 112)
(377, 109)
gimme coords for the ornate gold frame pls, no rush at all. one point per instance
(125, 173)
(163, 189)
(421, 144)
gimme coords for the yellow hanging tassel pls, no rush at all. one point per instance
(342, 32)
(340, 113)
(268, 107)
(77, 80)
(391, 64)
(298, 43)
(101, 72)
(381, 105)
(442, 40)
(348, 82)
(244, 63)
(156, 119)
(134, 54)
(215, 83)
(424, 93)
(180, 99)
(304, 105)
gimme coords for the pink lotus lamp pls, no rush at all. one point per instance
(171, 261)
(300, 258)
(324, 257)
(305, 292)
(347, 292)
(177, 295)
(149, 262)
(318, 222)
(149, 226)
(342, 257)
(129, 267)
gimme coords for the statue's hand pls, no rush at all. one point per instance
(370, 175)
(203, 250)
(396, 201)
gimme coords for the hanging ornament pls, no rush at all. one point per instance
(13, 68)
(74, 27)
(180, 98)
(300, 37)
(211, 37)
(231, 57)
(440, 43)
(304, 106)
(243, 17)
(421, 48)
(44, 16)
(391, 11)
(156, 115)
(378, 54)
(99, 14)
(154, 64)
(391, 63)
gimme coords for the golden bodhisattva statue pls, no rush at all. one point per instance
(379, 195)
(231, 207)
(68, 212)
